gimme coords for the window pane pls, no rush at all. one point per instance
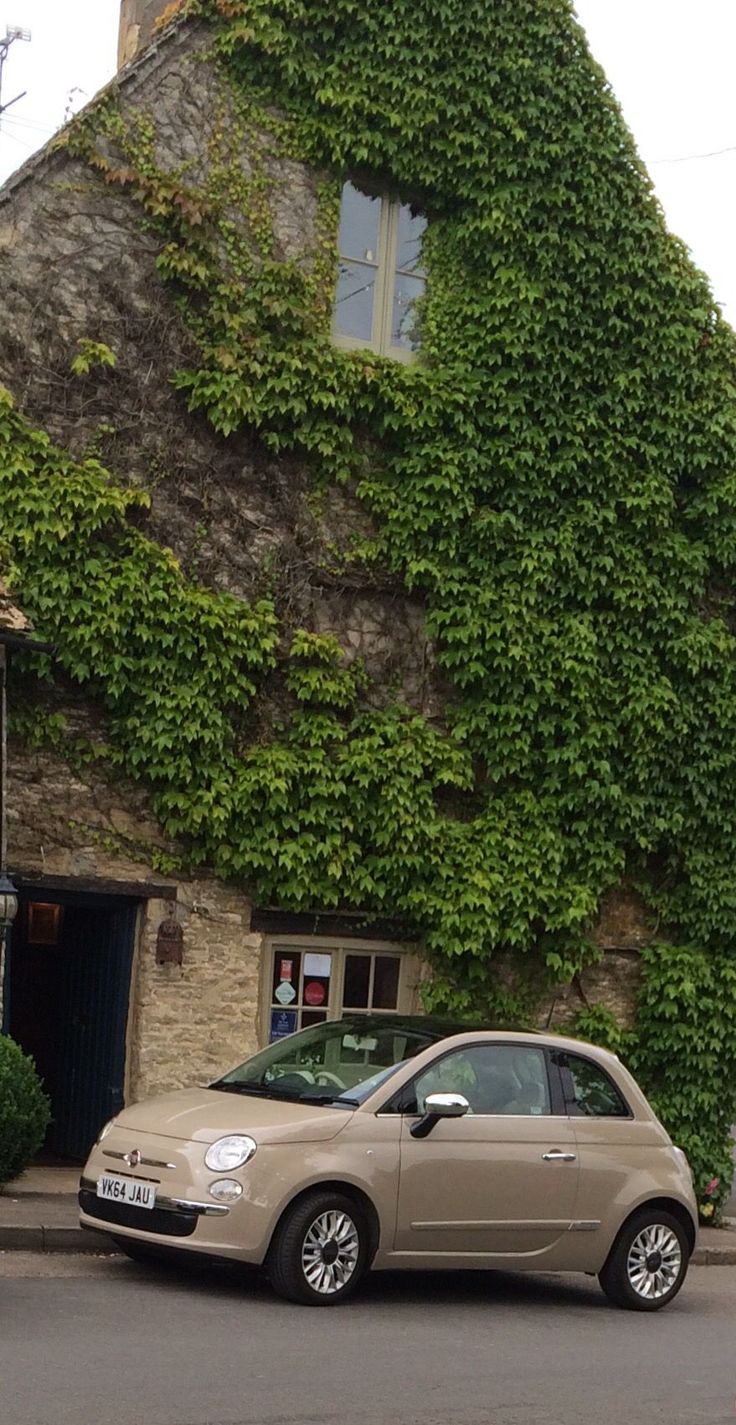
(356, 285)
(495, 1079)
(404, 328)
(411, 231)
(357, 980)
(359, 220)
(595, 1095)
(285, 988)
(312, 1016)
(386, 982)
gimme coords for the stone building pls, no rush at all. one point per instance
(128, 972)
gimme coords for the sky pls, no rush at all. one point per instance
(670, 63)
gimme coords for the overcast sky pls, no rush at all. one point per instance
(671, 63)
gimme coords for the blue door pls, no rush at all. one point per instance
(69, 1009)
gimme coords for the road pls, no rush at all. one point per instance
(104, 1341)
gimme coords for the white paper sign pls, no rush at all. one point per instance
(318, 965)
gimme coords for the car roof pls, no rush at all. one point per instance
(437, 1028)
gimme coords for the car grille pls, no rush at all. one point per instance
(155, 1219)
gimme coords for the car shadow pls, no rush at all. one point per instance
(428, 1289)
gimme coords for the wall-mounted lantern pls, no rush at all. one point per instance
(170, 941)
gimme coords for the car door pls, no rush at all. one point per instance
(502, 1180)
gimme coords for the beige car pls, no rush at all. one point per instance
(390, 1142)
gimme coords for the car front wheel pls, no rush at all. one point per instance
(320, 1250)
(648, 1262)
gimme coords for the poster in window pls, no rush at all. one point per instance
(283, 1023)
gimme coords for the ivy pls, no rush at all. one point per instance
(556, 479)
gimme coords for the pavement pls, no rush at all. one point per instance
(38, 1213)
(104, 1340)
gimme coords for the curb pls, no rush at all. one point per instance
(54, 1239)
(714, 1257)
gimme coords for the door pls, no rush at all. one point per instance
(67, 992)
(92, 1021)
(503, 1179)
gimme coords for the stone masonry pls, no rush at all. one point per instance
(78, 263)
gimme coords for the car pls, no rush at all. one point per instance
(384, 1141)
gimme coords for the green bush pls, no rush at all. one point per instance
(24, 1110)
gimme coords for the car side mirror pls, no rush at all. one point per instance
(437, 1106)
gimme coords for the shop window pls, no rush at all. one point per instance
(380, 274)
(309, 985)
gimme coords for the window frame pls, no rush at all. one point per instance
(410, 970)
(567, 1087)
(386, 270)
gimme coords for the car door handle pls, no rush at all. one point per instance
(556, 1155)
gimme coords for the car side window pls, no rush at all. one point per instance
(589, 1091)
(494, 1078)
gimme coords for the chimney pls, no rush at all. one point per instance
(138, 23)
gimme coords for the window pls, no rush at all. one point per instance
(311, 984)
(495, 1079)
(380, 275)
(589, 1091)
(328, 1061)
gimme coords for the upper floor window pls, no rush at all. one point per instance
(381, 276)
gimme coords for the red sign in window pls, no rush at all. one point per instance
(314, 993)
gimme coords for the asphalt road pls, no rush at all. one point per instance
(109, 1343)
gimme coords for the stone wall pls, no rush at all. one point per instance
(78, 263)
(186, 1023)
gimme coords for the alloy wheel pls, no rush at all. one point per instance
(330, 1252)
(654, 1261)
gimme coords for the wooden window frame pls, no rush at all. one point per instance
(410, 969)
(386, 270)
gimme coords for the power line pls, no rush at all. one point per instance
(692, 157)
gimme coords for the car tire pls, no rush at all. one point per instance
(320, 1250)
(648, 1262)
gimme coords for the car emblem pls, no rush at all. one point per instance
(132, 1159)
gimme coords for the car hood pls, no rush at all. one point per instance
(203, 1115)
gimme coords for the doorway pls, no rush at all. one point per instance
(67, 991)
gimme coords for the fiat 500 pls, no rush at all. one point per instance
(388, 1142)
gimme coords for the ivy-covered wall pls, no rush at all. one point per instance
(553, 482)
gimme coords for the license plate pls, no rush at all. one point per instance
(127, 1190)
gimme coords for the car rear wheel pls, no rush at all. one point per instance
(320, 1250)
(648, 1262)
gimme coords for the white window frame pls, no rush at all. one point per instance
(410, 974)
(386, 272)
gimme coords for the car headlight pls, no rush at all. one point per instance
(105, 1130)
(228, 1153)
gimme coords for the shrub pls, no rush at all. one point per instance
(24, 1110)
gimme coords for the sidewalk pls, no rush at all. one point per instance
(38, 1213)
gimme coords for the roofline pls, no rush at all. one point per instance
(133, 73)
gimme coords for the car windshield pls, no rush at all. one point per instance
(340, 1062)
